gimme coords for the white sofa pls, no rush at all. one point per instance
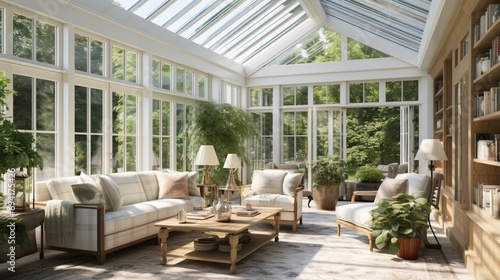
(277, 188)
(356, 216)
(114, 210)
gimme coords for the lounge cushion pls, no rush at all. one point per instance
(112, 193)
(271, 200)
(291, 182)
(88, 194)
(356, 213)
(268, 181)
(418, 184)
(149, 184)
(173, 185)
(130, 187)
(390, 187)
(60, 188)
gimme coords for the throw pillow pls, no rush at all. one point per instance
(173, 185)
(60, 188)
(88, 194)
(291, 182)
(112, 194)
(389, 188)
(268, 181)
(192, 182)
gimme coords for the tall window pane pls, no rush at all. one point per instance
(45, 105)
(124, 129)
(166, 77)
(156, 74)
(96, 57)
(45, 43)
(180, 80)
(81, 52)
(118, 64)
(22, 36)
(202, 86)
(189, 82)
(131, 70)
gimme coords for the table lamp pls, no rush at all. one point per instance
(232, 162)
(206, 156)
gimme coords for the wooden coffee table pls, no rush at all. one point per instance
(233, 228)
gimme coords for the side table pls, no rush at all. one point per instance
(32, 219)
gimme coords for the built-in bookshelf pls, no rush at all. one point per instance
(486, 109)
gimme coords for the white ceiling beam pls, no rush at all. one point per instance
(329, 72)
(372, 40)
(278, 47)
(314, 10)
(440, 15)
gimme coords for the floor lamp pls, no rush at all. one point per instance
(206, 156)
(431, 149)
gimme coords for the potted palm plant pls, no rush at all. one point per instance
(328, 173)
(399, 223)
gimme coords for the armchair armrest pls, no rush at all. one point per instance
(362, 193)
(298, 189)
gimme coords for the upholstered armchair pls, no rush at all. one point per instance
(356, 216)
(276, 188)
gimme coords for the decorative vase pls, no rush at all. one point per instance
(485, 64)
(223, 210)
(326, 197)
(409, 248)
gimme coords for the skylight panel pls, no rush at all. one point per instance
(127, 4)
(145, 8)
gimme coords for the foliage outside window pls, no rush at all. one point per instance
(162, 75)
(89, 51)
(124, 64)
(261, 97)
(34, 111)
(124, 132)
(2, 31)
(357, 50)
(33, 39)
(230, 93)
(295, 128)
(202, 85)
(295, 95)
(401, 91)
(161, 134)
(364, 92)
(183, 161)
(261, 147)
(89, 137)
(180, 80)
(326, 94)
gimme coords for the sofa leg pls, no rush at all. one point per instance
(370, 242)
(300, 220)
(101, 259)
(310, 199)
(294, 226)
(338, 230)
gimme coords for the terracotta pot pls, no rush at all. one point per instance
(326, 197)
(409, 248)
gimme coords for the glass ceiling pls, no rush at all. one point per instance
(236, 29)
(399, 21)
(241, 29)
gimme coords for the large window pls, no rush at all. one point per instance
(261, 97)
(161, 134)
(326, 94)
(34, 111)
(124, 132)
(261, 148)
(295, 95)
(401, 91)
(33, 39)
(89, 55)
(295, 129)
(124, 64)
(89, 136)
(363, 92)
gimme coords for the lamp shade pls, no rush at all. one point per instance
(206, 156)
(431, 149)
(232, 161)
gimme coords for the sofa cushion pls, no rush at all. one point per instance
(418, 184)
(60, 188)
(173, 185)
(291, 181)
(268, 181)
(271, 200)
(112, 193)
(356, 213)
(130, 187)
(149, 184)
(88, 194)
(192, 182)
(390, 187)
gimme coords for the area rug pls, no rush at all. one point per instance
(314, 251)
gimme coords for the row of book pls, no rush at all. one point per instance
(486, 21)
(487, 197)
(487, 102)
(488, 149)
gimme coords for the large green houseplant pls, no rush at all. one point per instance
(17, 149)
(399, 219)
(225, 127)
(328, 173)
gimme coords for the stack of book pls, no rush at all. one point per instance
(247, 213)
(200, 214)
